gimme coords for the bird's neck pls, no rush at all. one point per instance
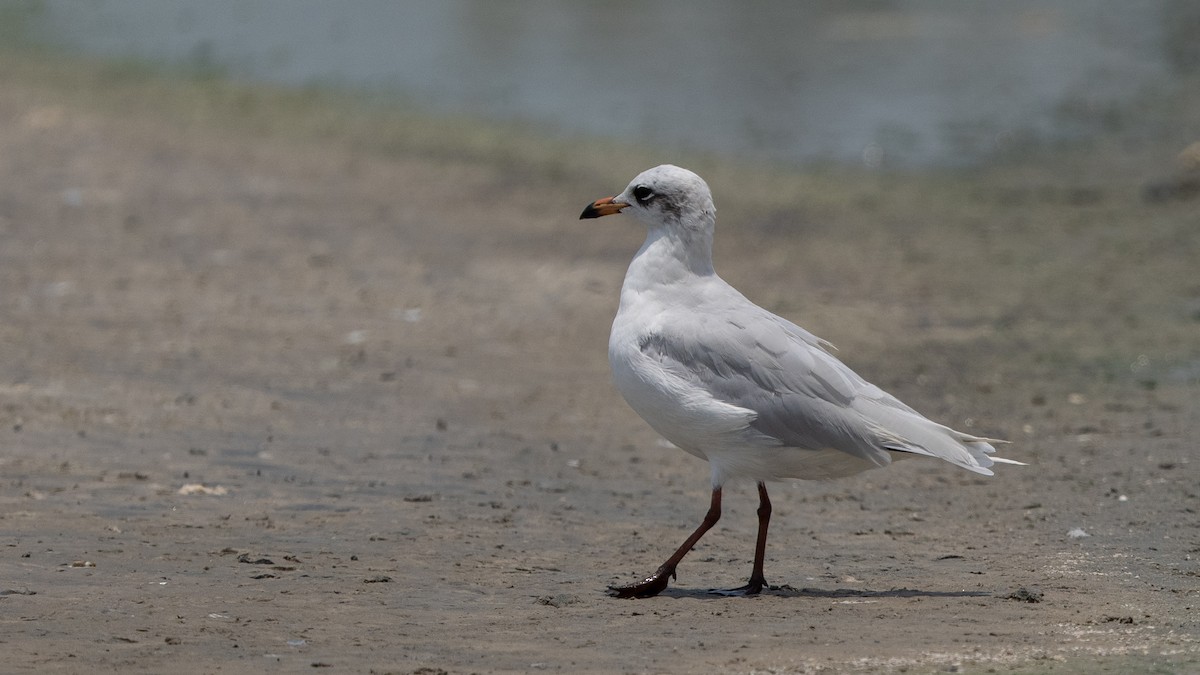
(670, 255)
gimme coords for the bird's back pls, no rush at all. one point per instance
(731, 382)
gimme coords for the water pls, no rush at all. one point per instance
(900, 83)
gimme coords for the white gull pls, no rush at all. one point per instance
(727, 381)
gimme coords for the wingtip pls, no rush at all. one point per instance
(1002, 460)
(968, 438)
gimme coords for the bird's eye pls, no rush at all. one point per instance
(643, 193)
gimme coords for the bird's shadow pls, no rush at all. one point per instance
(786, 591)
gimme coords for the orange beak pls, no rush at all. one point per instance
(602, 207)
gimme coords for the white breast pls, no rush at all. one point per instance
(683, 413)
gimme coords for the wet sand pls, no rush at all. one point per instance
(288, 385)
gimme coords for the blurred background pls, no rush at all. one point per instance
(882, 83)
(304, 281)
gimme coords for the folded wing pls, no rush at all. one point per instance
(802, 396)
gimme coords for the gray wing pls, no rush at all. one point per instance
(802, 395)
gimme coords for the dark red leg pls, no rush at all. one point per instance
(757, 580)
(657, 582)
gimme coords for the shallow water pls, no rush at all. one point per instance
(902, 83)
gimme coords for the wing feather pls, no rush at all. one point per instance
(801, 395)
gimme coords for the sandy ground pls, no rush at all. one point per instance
(274, 402)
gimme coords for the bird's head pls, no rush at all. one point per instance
(665, 196)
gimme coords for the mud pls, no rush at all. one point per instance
(275, 402)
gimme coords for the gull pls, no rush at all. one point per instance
(725, 380)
